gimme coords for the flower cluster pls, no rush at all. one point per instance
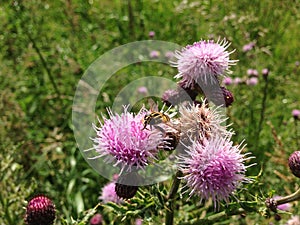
(212, 166)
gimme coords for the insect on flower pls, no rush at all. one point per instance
(155, 117)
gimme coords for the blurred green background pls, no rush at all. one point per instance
(47, 45)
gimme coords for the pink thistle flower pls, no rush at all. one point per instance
(248, 47)
(96, 219)
(237, 80)
(204, 61)
(199, 122)
(123, 140)
(252, 72)
(170, 97)
(213, 169)
(109, 194)
(138, 222)
(169, 54)
(265, 72)
(227, 81)
(154, 54)
(142, 90)
(252, 81)
(40, 210)
(151, 34)
(294, 220)
(296, 113)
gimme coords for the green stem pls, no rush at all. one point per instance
(44, 63)
(263, 109)
(131, 20)
(296, 133)
(293, 197)
(171, 199)
(215, 217)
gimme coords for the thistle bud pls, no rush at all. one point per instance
(126, 191)
(228, 96)
(122, 189)
(222, 97)
(40, 211)
(277, 217)
(294, 163)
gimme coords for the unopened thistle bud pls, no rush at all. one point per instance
(294, 163)
(127, 185)
(228, 96)
(40, 211)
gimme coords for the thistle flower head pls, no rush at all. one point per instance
(198, 121)
(109, 194)
(294, 220)
(213, 169)
(122, 139)
(296, 114)
(96, 219)
(40, 210)
(294, 163)
(203, 62)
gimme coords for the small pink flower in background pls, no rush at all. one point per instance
(249, 72)
(296, 113)
(151, 34)
(265, 72)
(96, 219)
(109, 194)
(237, 80)
(203, 62)
(115, 177)
(169, 54)
(142, 90)
(297, 63)
(255, 73)
(252, 81)
(227, 81)
(248, 47)
(294, 220)
(138, 222)
(252, 72)
(213, 169)
(283, 207)
(121, 140)
(154, 54)
(170, 97)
